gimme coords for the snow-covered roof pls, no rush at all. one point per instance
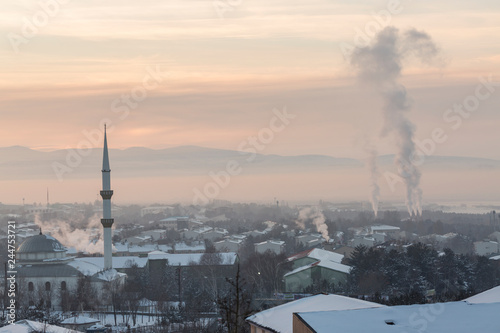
(489, 296)
(486, 242)
(279, 319)
(141, 238)
(229, 240)
(109, 275)
(89, 268)
(220, 231)
(155, 231)
(175, 219)
(312, 236)
(85, 267)
(156, 252)
(202, 229)
(318, 254)
(118, 262)
(140, 249)
(185, 259)
(195, 246)
(383, 227)
(28, 326)
(313, 242)
(79, 320)
(274, 242)
(456, 317)
(335, 266)
(243, 237)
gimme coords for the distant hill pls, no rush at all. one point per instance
(23, 163)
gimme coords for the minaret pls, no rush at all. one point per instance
(106, 194)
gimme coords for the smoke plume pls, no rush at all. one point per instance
(81, 239)
(380, 64)
(318, 219)
(374, 175)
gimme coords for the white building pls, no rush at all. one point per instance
(45, 274)
(484, 248)
(495, 236)
(215, 234)
(138, 240)
(195, 233)
(456, 317)
(194, 247)
(279, 318)
(228, 245)
(366, 241)
(309, 240)
(256, 233)
(311, 265)
(380, 237)
(155, 234)
(127, 249)
(276, 247)
(174, 223)
(389, 230)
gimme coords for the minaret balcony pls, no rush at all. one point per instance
(106, 194)
(107, 223)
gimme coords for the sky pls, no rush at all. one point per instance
(213, 73)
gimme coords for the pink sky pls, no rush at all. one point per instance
(224, 73)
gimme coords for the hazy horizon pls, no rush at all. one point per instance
(352, 80)
(172, 175)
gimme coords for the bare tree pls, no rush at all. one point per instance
(85, 296)
(235, 305)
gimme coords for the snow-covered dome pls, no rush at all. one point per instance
(40, 243)
(41, 248)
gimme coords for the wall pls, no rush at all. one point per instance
(299, 326)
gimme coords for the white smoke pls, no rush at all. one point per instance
(87, 239)
(380, 64)
(371, 164)
(317, 217)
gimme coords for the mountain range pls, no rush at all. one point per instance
(18, 162)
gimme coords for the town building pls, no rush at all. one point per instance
(29, 326)
(456, 317)
(280, 318)
(47, 275)
(484, 248)
(314, 267)
(228, 245)
(273, 246)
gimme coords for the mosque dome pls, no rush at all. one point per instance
(41, 248)
(40, 243)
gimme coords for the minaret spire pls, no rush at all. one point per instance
(106, 194)
(105, 156)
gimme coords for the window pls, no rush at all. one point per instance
(63, 285)
(30, 286)
(47, 286)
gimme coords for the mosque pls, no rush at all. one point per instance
(47, 276)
